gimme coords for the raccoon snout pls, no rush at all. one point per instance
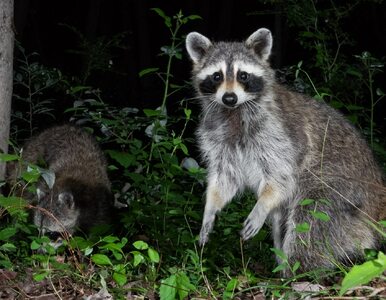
(229, 99)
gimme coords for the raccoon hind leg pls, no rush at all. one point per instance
(327, 243)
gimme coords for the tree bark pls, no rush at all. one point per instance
(6, 74)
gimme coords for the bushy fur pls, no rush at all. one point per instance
(285, 147)
(80, 196)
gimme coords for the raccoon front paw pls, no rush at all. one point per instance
(251, 228)
(204, 234)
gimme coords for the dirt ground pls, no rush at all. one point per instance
(23, 286)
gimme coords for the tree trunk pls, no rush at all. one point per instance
(6, 75)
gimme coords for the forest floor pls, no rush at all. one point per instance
(23, 286)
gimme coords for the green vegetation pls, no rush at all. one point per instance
(153, 248)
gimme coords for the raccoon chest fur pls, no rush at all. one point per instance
(244, 149)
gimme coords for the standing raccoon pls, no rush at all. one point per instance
(80, 196)
(285, 147)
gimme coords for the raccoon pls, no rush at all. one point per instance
(81, 193)
(284, 147)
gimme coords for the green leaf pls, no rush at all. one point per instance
(320, 215)
(110, 239)
(184, 285)
(119, 278)
(35, 245)
(306, 202)
(153, 255)
(8, 157)
(296, 266)
(193, 17)
(140, 245)
(152, 112)
(232, 284)
(302, 227)
(88, 251)
(279, 253)
(354, 107)
(101, 260)
(32, 174)
(8, 247)
(362, 274)
(13, 204)
(161, 13)
(188, 113)
(40, 276)
(123, 158)
(6, 233)
(280, 267)
(168, 288)
(379, 92)
(184, 149)
(148, 71)
(138, 258)
(112, 247)
(177, 141)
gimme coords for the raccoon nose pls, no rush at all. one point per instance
(229, 99)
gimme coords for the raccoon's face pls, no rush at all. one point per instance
(56, 212)
(231, 74)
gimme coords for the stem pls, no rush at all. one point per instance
(310, 80)
(166, 82)
(169, 65)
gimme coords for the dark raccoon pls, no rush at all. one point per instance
(255, 134)
(81, 194)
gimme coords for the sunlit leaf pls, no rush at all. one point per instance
(153, 255)
(140, 245)
(168, 288)
(8, 157)
(147, 71)
(362, 274)
(6, 233)
(101, 259)
(119, 278)
(302, 227)
(320, 215)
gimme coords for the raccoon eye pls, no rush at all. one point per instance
(217, 77)
(242, 76)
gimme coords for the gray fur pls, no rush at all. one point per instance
(80, 196)
(285, 147)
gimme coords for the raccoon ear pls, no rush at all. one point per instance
(197, 46)
(261, 42)
(67, 199)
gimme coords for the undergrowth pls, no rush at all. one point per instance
(152, 249)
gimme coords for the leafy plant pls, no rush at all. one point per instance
(32, 81)
(364, 273)
(112, 255)
(177, 285)
(285, 264)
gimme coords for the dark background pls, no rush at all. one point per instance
(39, 28)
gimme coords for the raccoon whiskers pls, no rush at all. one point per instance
(252, 107)
(198, 98)
(208, 108)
